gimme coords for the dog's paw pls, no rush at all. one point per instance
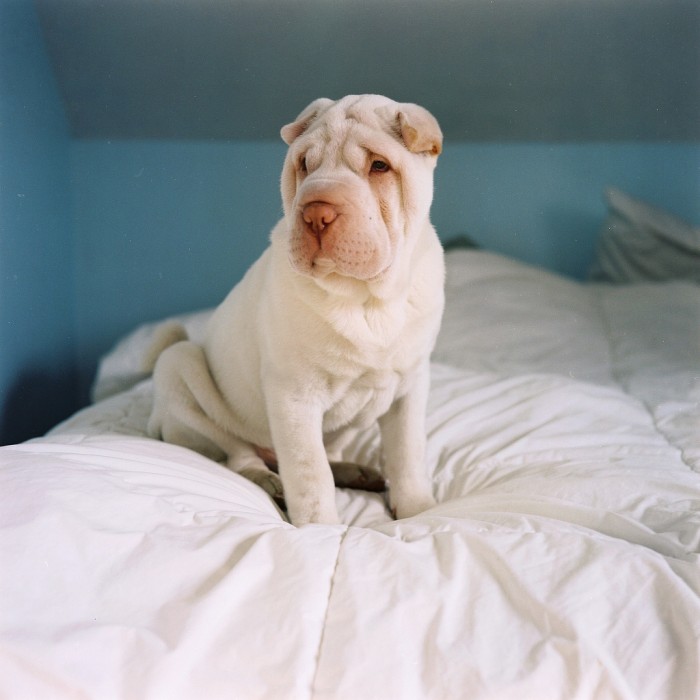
(268, 481)
(314, 511)
(408, 505)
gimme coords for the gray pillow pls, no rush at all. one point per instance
(641, 243)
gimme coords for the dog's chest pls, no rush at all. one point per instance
(371, 365)
(361, 401)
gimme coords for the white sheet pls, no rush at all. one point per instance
(561, 561)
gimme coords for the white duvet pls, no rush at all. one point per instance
(561, 561)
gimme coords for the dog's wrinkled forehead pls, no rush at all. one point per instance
(333, 120)
(411, 125)
(372, 111)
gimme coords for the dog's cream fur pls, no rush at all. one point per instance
(332, 328)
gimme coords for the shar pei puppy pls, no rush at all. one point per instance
(331, 330)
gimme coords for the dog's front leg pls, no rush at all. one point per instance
(403, 446)
(296, 425)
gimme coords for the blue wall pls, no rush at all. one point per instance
(164, 227)
(37, 383)
(545, 203)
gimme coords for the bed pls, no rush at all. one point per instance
(560, 562)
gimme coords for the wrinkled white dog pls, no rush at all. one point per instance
(331, 329)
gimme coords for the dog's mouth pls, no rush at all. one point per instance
(324, 269)
(322, 265)
(341, 254)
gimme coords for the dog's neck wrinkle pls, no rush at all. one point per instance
(362, 319)
(375, 325)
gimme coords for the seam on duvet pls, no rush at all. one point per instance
(607, 328)
(322, 636)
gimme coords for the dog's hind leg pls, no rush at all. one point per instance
(187, 408)
(189, 411)
(244, 460)
(351, 475)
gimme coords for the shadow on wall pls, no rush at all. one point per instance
(35, 403)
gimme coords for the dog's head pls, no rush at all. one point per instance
(357, 184)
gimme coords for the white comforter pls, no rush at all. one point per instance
(561, 561)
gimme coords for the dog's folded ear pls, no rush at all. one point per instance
(293, 131)
(418, 129)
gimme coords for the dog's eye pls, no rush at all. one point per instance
(379, 166)
(302, 165)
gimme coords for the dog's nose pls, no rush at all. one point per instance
(318, 216)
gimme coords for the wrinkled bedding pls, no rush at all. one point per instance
(560, 562)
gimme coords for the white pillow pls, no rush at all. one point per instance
(641, 243)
